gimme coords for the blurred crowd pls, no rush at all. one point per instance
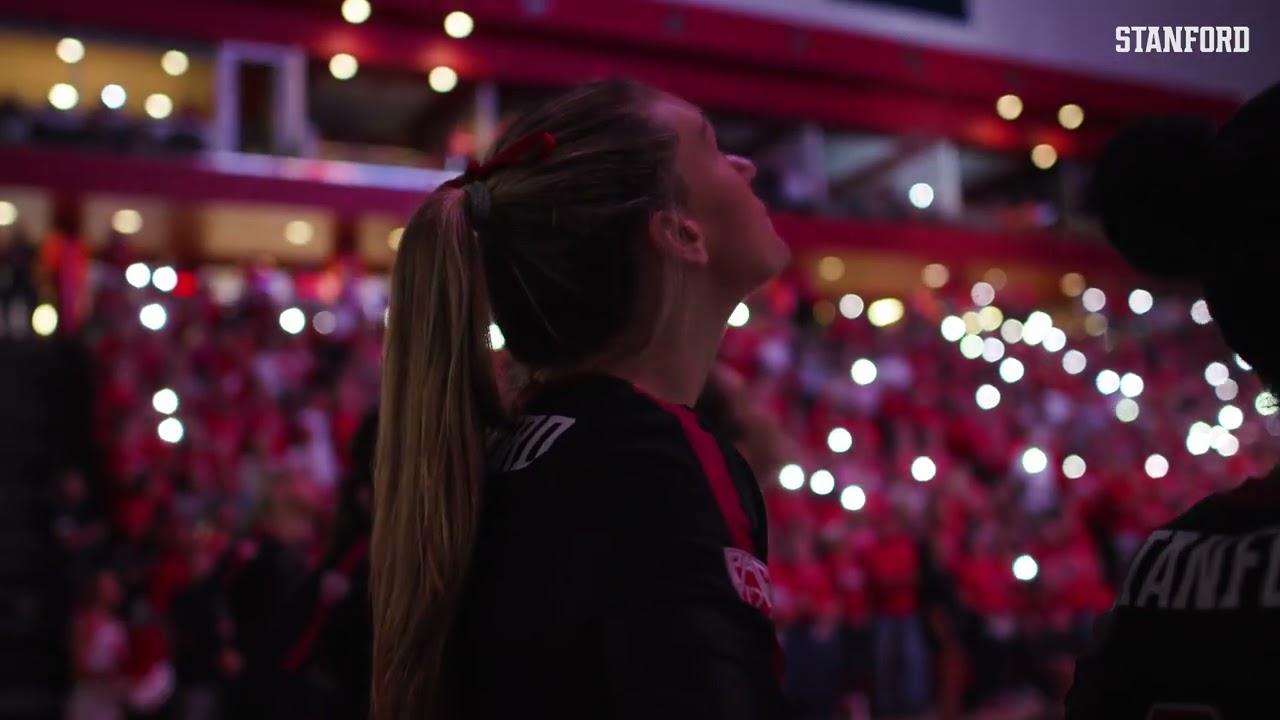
(959, 511)
(952, 495)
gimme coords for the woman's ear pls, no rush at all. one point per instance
(677, 235)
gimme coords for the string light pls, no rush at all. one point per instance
(158, 106)
(1044, 156)
(990, 318)
(982, 293)
(1095, 324)
(1074, 362)
(851, 306)
(1200, 313)
(935, 275)
(1127, 410)
(442, 79)
(152, 316)
(1073, 467)
(791, 477)
(325, 323)
(44, 319)
(69, 50)
(1011, 370)
(293, 321)
(343, 66)
(987, 397)
(165, 278)
(992, 349)
(138, 275)
(1034, 461)
(356, 11)
(1070, 116)
(1012, 330)
(1025, 568)
(863, 372)
(1265, 404)
(885, 312)
(1156, 466)
(923, 469)
(458, 25)
(170, 430)
(1108, 382)
(1199, 438)
(1131, 385)
(298, 232)
(1216, 373)
(920, 195)
(1054, 340)
(822, 482)
(63, 96)
(953, 328)
(1093, 300)
(1072, 284)
(1009, 106)
(165, 401)
(175, 62)
(114, 96)
(853, 498)
(1141, 302)
(839, 440)
(1037, 327)
(126, 221)
(1230, 417)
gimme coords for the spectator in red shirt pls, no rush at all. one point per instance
(988, 592)
(815, 653)
(903, 666)
(851, 585)
(99, 648)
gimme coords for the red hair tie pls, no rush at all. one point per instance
(534, 146)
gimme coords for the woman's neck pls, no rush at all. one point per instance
(676, 364)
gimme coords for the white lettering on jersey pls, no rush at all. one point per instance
(533, 437)
(1270, 592)
(1159, 581)
(1246, 568)
(511, 447)
(1243, 560)
(1154, 539)
(1202, 574)
(750, 578)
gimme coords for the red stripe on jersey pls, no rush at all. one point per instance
(714, 467)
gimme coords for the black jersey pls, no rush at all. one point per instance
(619, 570)
(1195, 630)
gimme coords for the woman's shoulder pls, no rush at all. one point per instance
(1253, 503)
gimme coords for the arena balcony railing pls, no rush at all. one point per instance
(307, 97)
